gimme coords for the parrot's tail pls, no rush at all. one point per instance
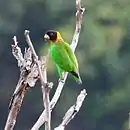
(76, 77)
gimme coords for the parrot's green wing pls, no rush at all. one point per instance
(75, 71)
(71, 56)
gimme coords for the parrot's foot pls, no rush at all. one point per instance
(61, 80)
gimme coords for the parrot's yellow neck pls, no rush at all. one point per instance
(59, 37)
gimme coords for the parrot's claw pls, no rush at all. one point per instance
(61, 80)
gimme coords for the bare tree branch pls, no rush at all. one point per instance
(31, 68)
(44, 85)
(73, 110)
(28, 78)
(79, 17)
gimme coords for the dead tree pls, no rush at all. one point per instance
(31, 69)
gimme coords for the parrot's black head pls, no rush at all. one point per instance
(51, 35)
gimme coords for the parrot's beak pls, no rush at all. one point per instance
(46, 37)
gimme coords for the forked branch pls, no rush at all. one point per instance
(79, 18)
(44, 85)
(28, 78)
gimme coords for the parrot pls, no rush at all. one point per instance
(62, 55)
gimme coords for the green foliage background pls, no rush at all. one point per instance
(103, 53)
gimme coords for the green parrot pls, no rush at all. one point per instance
(62, 55)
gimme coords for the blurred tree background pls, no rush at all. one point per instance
(103, 53)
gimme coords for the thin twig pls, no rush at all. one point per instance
(28, 40)
(17, 52)
(73, 110)
(44, 85)
(79, 17)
